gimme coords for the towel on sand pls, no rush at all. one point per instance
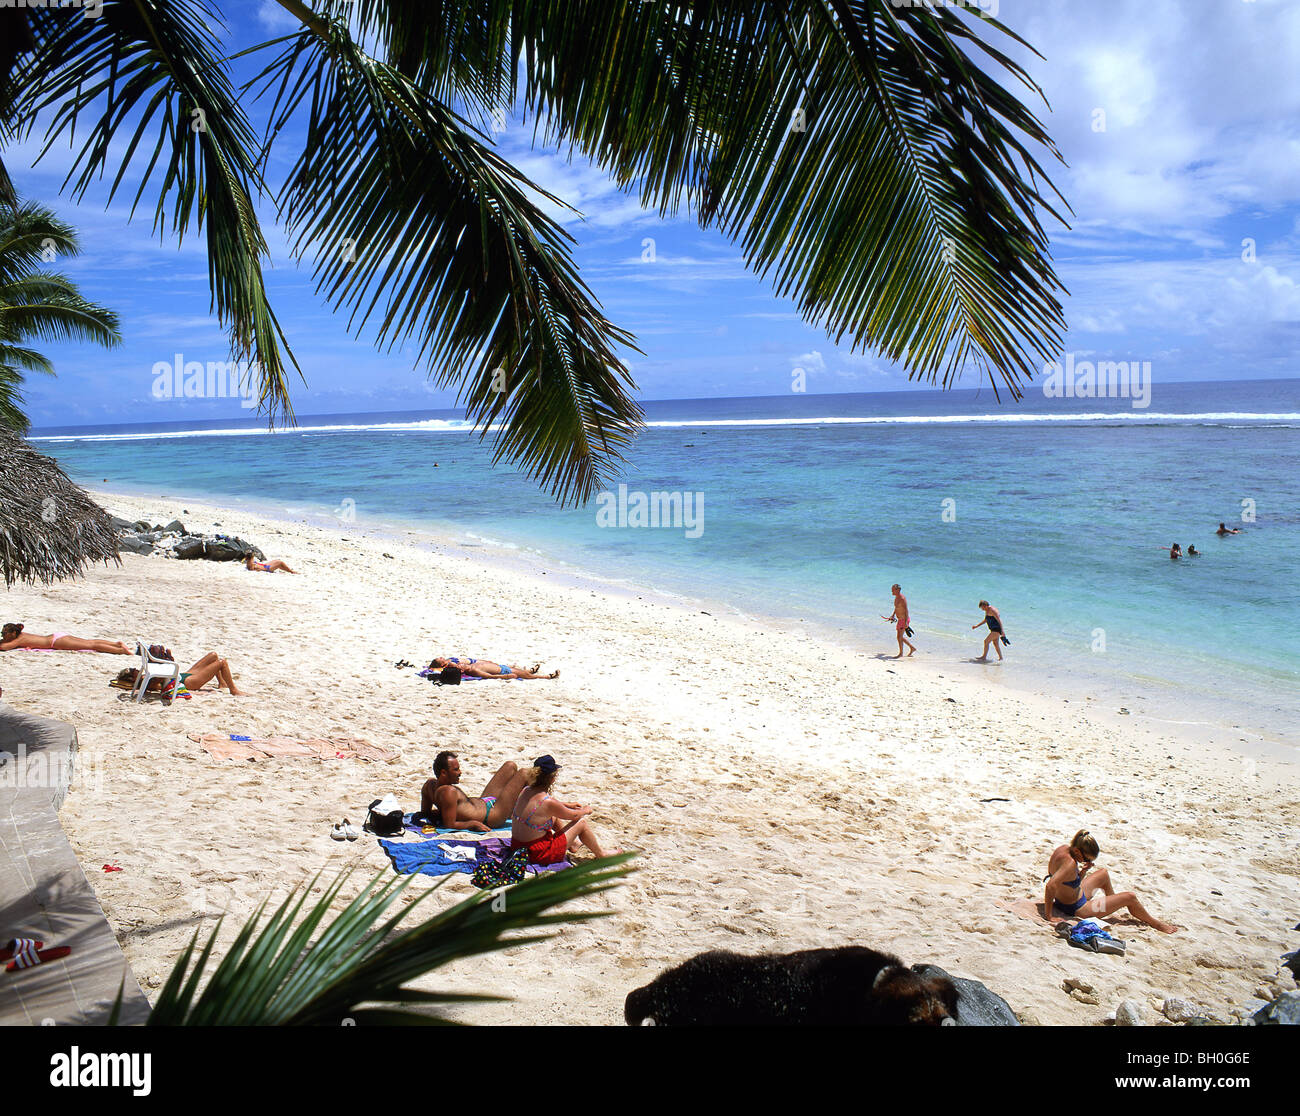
(431, 858)
(224, 746)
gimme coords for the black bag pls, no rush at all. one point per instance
(383, 825)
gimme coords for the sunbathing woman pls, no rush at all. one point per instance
(486, 668)
(199, 675)
(537, 818)
(251, 563)
(12, 638)
(1071, 894)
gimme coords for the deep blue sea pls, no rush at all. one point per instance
(807, 508)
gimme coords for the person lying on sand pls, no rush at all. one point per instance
(537, 818)
(199, 675)
(271, 566)
(486, 668)
(444, 804)
(1071, 894)
(12, 638)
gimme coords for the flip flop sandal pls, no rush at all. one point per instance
(350, 831)
(18, 945)
(29, 958)
(338, 832)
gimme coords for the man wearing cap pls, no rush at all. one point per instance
(444, 804)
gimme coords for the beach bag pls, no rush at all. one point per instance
(384, 817)
(500, 873)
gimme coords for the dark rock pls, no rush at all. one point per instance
(1284, 1011)
(175, 527)
(222, 550)
(123, 524)
(140, 525)
(134, 544)
(976, 1005)
(230, 550)
(191, 547)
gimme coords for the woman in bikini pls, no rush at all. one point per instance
(486, 668)
(251, 563)
(199, 675)
(1069, 893)
(994, 621)
(12, 638)
(537, 817)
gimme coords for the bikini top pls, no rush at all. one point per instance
(532, 814)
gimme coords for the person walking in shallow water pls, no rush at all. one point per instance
(996, 636)
(902, 621)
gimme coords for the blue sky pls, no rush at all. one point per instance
(1200, 152)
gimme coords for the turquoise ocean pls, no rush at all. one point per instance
(807, 507)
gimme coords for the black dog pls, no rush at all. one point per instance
(848, 986)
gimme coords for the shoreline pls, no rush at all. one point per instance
(788, 793)
(1101, 696)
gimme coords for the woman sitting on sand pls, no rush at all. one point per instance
(537, 815)
(486, 668)
(251, 563)
(1071, 894)
(199, 675)
(12, 638)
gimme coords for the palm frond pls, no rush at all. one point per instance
(853, 147)
(58, 316)
(298, 966)
(154, 67)
(415, 224)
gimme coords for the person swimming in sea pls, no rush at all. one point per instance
(1074, 890)
(1192, 552)
(1175, 551)
(13, 638)
(1223, 530)
(996, 635)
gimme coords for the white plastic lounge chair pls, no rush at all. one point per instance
(151, 668)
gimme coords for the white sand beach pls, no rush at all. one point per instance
(787, 793)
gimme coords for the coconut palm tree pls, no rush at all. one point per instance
(865, 154)
(38, 304)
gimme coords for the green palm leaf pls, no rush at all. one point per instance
(298, 966)
(415, 224)
(153, 68)
(874, 162)
(38, 304)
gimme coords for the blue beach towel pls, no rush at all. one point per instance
(428, 858)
